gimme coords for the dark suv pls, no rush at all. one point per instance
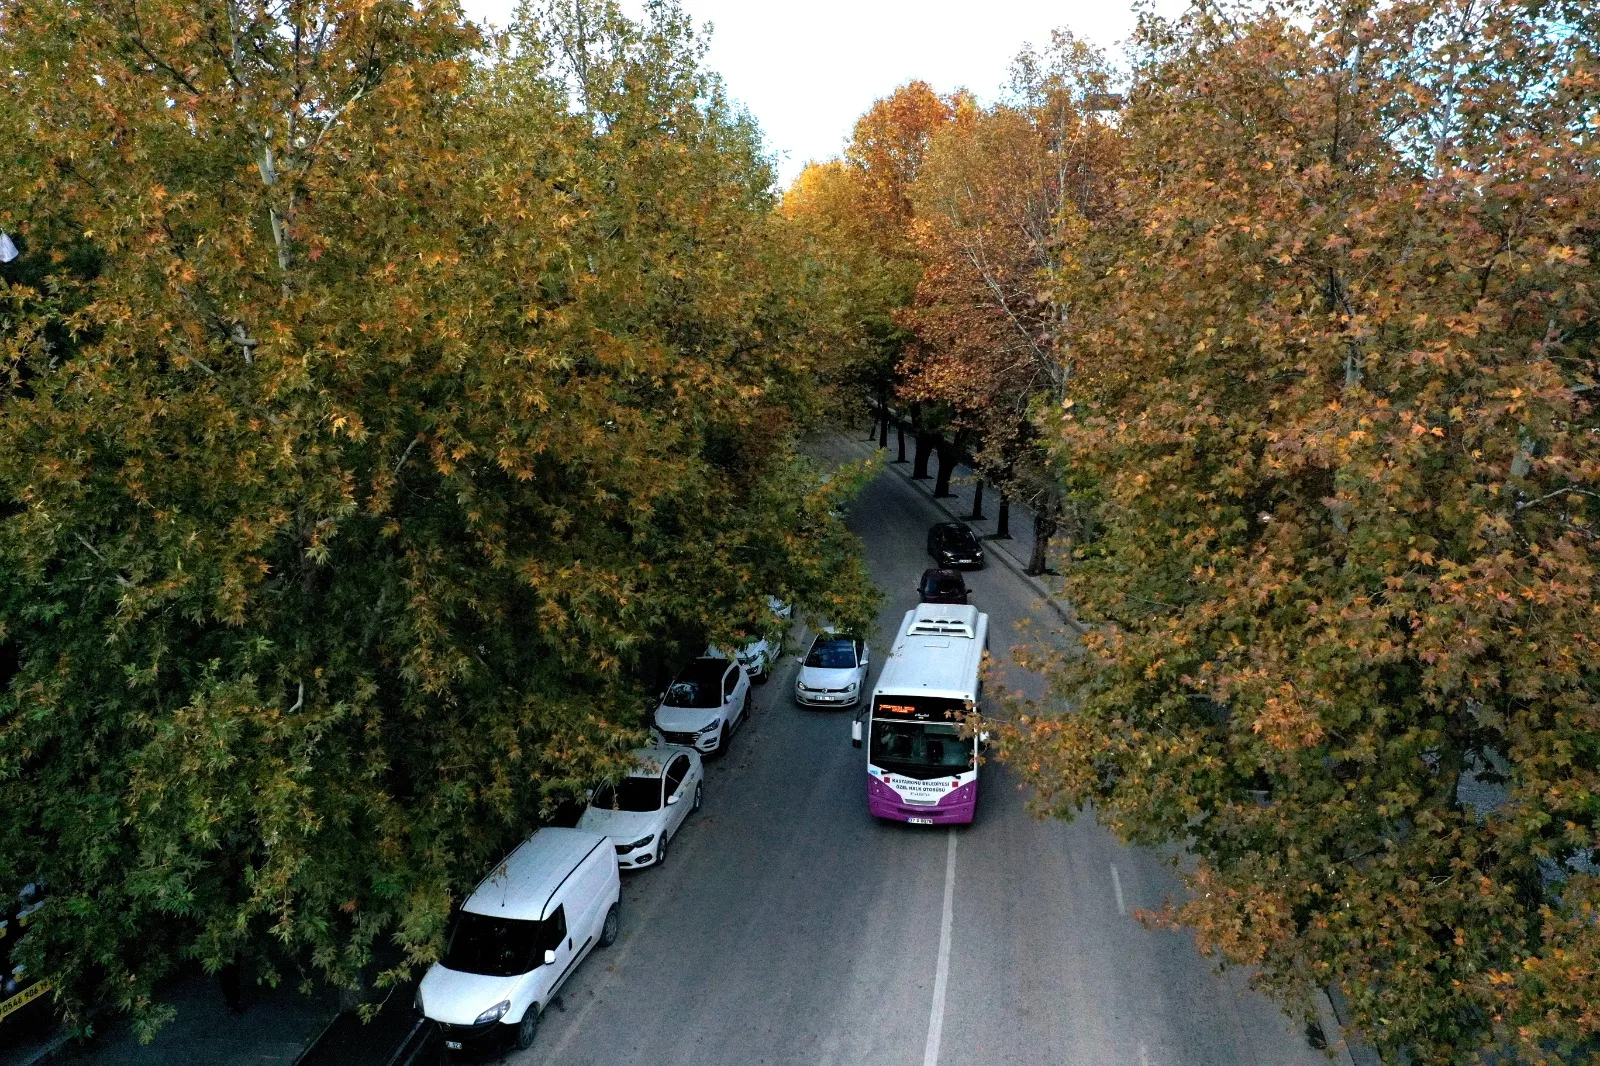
(942, 586)
(954, 545)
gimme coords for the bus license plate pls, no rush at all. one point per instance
(920, 821)
(453, 1045)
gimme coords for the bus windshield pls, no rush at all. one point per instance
(920, 749)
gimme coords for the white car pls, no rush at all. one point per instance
(706, 702)
(643, 811)
(758, 656)
(519, 936)
(833, 673)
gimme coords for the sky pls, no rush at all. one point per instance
(807, 70)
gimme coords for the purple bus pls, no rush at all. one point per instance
(920, 769)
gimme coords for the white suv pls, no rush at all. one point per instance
(519, 936)
(706, 702)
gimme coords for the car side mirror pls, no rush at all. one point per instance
(549, 956)
(674, 798)
(855, 733)
(800, 660)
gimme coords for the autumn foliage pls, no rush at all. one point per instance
(1329, 361)
(382, 407)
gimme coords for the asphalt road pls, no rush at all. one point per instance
(788, 926)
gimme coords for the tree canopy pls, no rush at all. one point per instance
(1329, 361)
(381, 404)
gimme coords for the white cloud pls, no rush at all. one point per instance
(808, 70)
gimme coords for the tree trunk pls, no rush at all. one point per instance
(1044, 527)
(900, 434)
(919, 465)
(948, 451)
(883, 428)
(977, 502)
(1003, 519)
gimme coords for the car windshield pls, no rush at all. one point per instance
(494, 947)
(833, 655)
(959, 538)
(920, 749)
(943, 585)
(629, 794)
(700, 684)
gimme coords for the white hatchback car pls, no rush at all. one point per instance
(706, 702)
(643, 811)
(833, 673)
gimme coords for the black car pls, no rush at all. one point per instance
(942, 586)
(954, 545)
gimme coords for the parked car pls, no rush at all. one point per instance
(705, 703)
(953, 544)
(757, 656)
(833, 673)
(942, 586)
(25, 1002)
(519, 936)
(643, 811)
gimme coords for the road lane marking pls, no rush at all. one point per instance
(1116, 885)
(941, 974)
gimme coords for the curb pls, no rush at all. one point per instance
(44, 1052)
(1062, 610)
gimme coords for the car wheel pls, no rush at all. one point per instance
(608, 932)
(697, 790)
(761, 678)
(661, 850)
(722, 740)
(529, 1027)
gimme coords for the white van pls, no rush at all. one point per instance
(519, 936)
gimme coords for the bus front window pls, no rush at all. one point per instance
(920, 749)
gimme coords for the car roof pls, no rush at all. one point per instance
(523, 884)
(943, 575)
(705, 669)
(652, 762)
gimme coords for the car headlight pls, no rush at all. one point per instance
(641, 842)
(417, 1001)
(703, 730)
(851, 687)
(494, 1013)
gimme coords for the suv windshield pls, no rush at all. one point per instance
(833, 655)
(494, 947)
(943, 583)
(699, 685)
(920, 749)
(629, 794)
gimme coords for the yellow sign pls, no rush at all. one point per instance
(23, 998)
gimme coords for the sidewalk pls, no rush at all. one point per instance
(276, 1027)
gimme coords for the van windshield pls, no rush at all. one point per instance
(495, 947)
